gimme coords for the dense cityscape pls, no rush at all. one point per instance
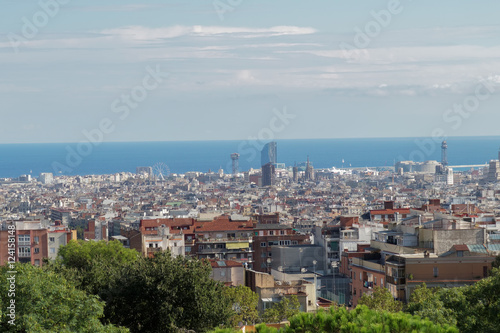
(327, 236)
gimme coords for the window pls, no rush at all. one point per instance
(263, 244)
(460, 253)
(295, 243)
(36, 239)
(354, 293)
(360, 276)
(24, 238)
(24, 251)
(270, 254)
(37, 250)
(52, 250)
(271, 232)
(436, 272)
(52, 239)
(37, 262)
(282, 232)
(375, 280)
(175, 244)
(263, 255)
(382, 282)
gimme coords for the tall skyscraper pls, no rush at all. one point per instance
(269, 154)
(268, 171)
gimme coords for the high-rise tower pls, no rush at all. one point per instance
(444, 154)
(236, 162)
(269, 154)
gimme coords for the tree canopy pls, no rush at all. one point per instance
(361, 319)
(244, 305)
(286, 308)
(473, 308)
(381, 300)
(46, 302)
(164, 294)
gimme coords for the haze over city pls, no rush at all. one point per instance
(344, 69)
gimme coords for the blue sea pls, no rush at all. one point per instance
(180, 157)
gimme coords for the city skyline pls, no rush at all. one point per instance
(339, 70)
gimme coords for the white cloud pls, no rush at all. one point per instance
(151, 34)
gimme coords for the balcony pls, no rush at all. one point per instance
(24, 252)
(224, 240)
(224, 250)
(395, 280)
(154, 249)
(368, 284)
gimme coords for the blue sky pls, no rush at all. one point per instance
(229, 72)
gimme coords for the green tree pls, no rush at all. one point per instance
(46, 302)
(427, 303)
(381, 300)
(286, 308)
(165, 294)
(496, 263)
(479, 310)
(362, 319)
(244, 302)
(93, 265)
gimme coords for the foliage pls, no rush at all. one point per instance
(473, 308)
(93, 265)
(496, 262)
(46, 302)
(427, 303)
(362, 319)
(163, 294)
(260, 328)
(381, 300)
(479, 308)
(286, 308)
(244, 302)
